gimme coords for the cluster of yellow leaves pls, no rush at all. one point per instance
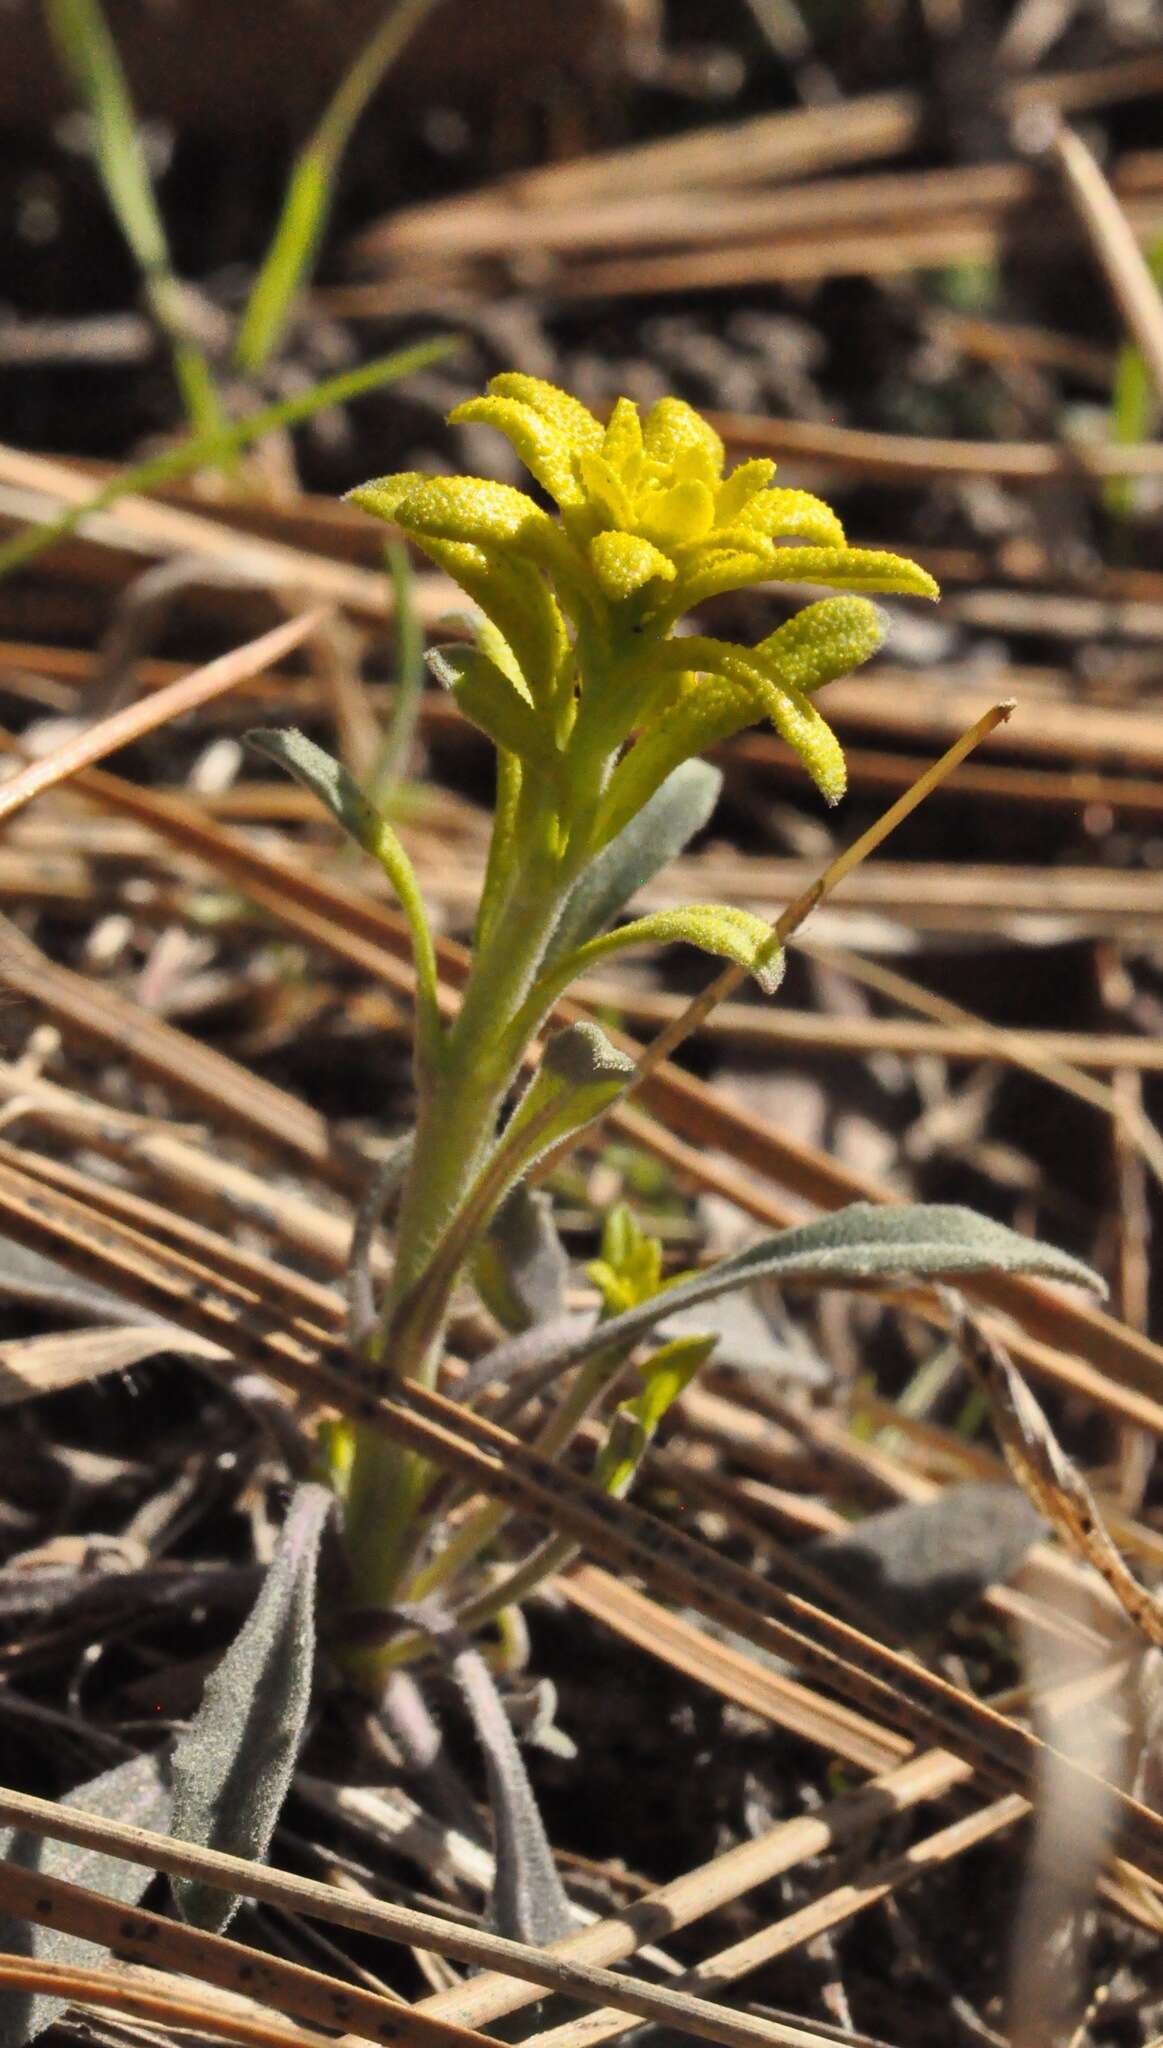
(649, 526)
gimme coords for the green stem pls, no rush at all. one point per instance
(455, 1128)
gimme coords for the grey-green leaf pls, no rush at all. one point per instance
(864, 1242)
(136, 1791)
(911, 1567)
(679, 808)
(233, 1766)
(524, 1259)
(325, 777)
(528, 1901)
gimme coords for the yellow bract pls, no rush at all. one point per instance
(650, 524)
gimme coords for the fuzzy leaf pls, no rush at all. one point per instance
(823, 641)
(474, 509)
(852, 569)
(516, 599)
(528, 1901)
(135, 1791)
(673, 429)
(742, 489)
(540, 444)
(328, 779)
(864, 1242)
(624, 564)
(782, 514)
(492, 701)
(233, 1766)
(325, 777)
(560, 409)
(913, 1566)
(714, 927)
(580, 1075)
(702, 711)
(793, 715)
(521, 1266)
(669, 819)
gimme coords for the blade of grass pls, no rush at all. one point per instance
(89, 55)
(1134, 402)
(220, 443)
(311, 188)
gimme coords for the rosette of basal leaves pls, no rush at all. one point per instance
(581, 606)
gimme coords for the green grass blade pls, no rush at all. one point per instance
(220, 446)
(1134, 404)
(311, 187)
(89, 56)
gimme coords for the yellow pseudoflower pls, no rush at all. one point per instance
(582, 607)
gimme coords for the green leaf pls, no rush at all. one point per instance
(679, 808)
(714, 927)
(325, 777)
(634, 1423)
(136, 1791)
(580, 1075)
(492, 701)
(864, 1242)
(90, 56)
(311, 188)
(337, 790)
(233, 1766)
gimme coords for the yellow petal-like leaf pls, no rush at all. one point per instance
(793, 715)
(853, 569)
(672, 428)
(542, 447)
(624, 564)
(383, 496)
(780, 514)
(680, 516)
(823, 641)
(560, 409)
(743, 484)
(603, 491)
(622, 445)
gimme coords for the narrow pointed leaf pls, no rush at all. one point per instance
(861, 1243)
(325, 777)
(679, 808)
(135, 1791)
(717, 928)
(337, 790)
(233, 1766)
(528, 1901)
